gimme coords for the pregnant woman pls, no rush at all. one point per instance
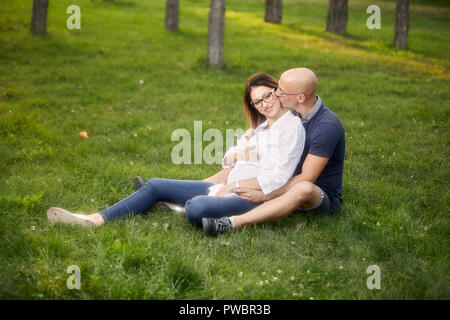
(275, 134)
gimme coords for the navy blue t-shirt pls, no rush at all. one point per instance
(325, 137)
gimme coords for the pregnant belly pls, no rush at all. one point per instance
(243, 170)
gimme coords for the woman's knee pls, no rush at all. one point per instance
(195, 210)
(153, 183)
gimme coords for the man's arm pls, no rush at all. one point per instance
(311, 169)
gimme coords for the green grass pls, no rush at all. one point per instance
(394, 106)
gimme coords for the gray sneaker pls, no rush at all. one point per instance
(138, 183)
(212, 226)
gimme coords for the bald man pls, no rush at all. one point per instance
(317, 184)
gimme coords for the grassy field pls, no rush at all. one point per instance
(129, 84)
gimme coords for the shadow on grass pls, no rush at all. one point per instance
(366, 44)
(325, 35)
(348, 40)
(183, 277)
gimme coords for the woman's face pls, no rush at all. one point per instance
(265, 101)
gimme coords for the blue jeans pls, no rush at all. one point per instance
(216, 207)
(189, 193)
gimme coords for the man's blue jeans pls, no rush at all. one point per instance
(191, 194)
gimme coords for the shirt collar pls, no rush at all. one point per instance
(280, 122)
(311, 113)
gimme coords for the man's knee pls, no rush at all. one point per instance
(302, 191)
(195, 210)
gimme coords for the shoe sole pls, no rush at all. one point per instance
(58, 215)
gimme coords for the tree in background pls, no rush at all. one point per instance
(39, 17)
(401, 24)
(172, 8)
(273, 11)
(337, 16)
(216, 33)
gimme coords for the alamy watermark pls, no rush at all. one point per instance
(213, 152)
(189, 149)
(74, 281)
(374, 280)
(74, 20)
(373, 21)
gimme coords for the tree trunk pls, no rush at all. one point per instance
(337, 16)
(39, 18)
(273, 11)
(216, 33)
(172, 8)
(402, 24)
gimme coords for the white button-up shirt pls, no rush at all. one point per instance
(279, 148)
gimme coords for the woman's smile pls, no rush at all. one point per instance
(268, 109)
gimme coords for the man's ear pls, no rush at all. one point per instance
(301, 98)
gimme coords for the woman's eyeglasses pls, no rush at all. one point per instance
(267, 97)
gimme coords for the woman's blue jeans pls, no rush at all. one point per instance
(191, 194)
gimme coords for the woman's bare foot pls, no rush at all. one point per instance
(58, 215)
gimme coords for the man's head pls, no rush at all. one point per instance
(297, 87)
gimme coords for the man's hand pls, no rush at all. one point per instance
(255, 196)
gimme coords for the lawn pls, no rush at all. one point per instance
(129, 84)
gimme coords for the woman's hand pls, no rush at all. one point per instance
(255, 196)
(249, 154)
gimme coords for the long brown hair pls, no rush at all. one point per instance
(254, 118)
